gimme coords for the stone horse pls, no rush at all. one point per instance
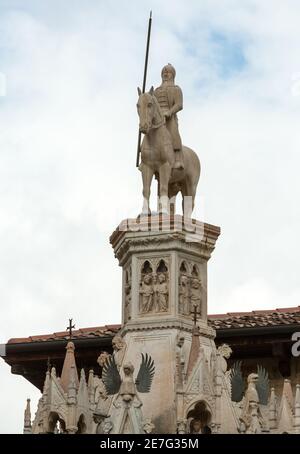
(158, 157)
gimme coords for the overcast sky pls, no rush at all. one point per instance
(68, 131)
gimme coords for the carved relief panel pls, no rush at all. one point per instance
(190, 288)
(154, 286)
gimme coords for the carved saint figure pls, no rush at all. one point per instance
(127, 301)
(196, 294)
(180, 360)
(195, 426)
(225, 353)
(184, 305)
(146, 292)
(119, 349)
(170, 100)
(161, 293)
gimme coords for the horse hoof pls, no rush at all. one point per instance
(144, 214)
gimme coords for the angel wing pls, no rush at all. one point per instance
(237, 382)
(110, 376)
(262, 385)
(146, 373)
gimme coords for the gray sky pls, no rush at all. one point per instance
(68, 77)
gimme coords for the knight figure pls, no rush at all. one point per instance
(169, 97)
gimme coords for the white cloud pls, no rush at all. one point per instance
(68, 139)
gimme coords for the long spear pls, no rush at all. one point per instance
(144, 84)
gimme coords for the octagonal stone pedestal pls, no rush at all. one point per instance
(164, 261)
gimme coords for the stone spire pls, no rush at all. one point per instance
(27, 419)
(195, 347)
(195, 350)
(69, 364)
(297, 410)
(272, 410)
(285, 423)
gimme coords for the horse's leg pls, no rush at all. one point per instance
(147, 175)
(158, 193)
(173, 191)
(188, 198)
(164, 178)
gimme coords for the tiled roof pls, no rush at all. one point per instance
(254, 319)
(98, 331)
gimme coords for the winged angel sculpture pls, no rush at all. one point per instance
(256, 394)
(128, 388)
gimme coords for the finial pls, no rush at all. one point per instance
(70, 327)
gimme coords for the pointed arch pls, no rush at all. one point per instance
(162, 267)
(199, 417)
(82, 426)
(56, 424)
(183, 267)
(147, 268)
(195, 271)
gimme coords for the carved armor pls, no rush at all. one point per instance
(169, 98)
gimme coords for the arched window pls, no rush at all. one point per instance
(199, 418)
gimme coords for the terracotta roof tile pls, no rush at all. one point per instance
(276, 317)
(98, 331)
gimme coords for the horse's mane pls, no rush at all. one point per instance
(162, 118)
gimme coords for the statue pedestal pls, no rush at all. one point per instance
(164, 261)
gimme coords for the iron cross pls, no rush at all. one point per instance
(70, 327)
(195, 313)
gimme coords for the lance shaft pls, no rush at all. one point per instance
(144, 84)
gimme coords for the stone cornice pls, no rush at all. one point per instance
(163, 233)
(148, 325)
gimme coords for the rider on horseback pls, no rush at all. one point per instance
(169, 97)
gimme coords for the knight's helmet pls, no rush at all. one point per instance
(170, 68)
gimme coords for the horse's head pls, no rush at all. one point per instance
(147, 107)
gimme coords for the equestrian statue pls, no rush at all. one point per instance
(175, 166)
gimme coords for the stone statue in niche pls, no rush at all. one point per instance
(184, 303)
(195, 426)
(119, 347)
(195, 294)
(146, 294)
(180, 360)
(190, 290)
(161, 293)
(127, 303)
(154, 289)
